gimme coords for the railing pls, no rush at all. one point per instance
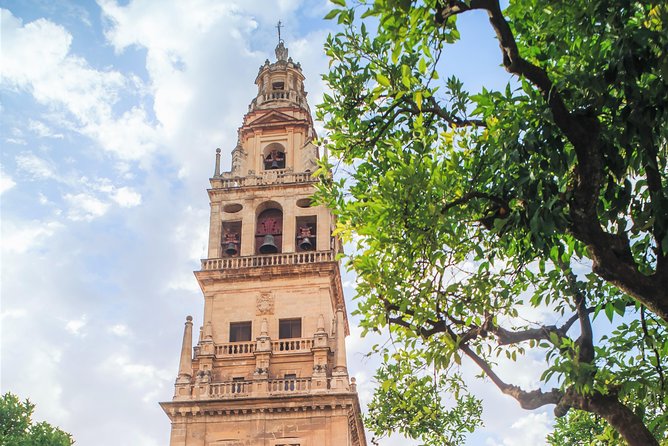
(283, 386)
(290, 258)
(289, 385)
(230, 388)
(277, 95)
(291, 345)
(266, 177)
(235, 348)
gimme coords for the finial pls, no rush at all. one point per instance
(216, 172)
(189, 318)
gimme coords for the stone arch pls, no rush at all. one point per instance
(273, 156)
(269, 228)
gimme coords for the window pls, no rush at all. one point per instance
(305, 237)
(268, 234)
(278, 86)
(240, 331)
(231, 238)
(273, 155)
(289, 328)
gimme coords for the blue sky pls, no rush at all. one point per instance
(111, 114)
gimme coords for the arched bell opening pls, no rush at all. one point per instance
(305, 238)
(231, 239)
(269, 232)
(273, 156)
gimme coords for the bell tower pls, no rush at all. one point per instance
(269, 367)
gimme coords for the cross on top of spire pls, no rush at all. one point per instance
(281, 50)
(278, 27)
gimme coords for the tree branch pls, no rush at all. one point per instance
(528, 399)
(610, 253)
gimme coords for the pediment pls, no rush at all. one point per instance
(275, 117)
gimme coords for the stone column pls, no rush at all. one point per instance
(186, 362)
(216, 171)
(215, 231)
(341, 365)
(340, 373)
(262, 359)
(320, 351)
(182, 387)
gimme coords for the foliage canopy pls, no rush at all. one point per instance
(18, 429)
(493, 223)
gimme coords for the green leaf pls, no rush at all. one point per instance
(333, 13)
(383, 80)
(417, 97)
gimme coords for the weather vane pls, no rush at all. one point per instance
(279, 31)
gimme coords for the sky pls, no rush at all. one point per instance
(110, 116)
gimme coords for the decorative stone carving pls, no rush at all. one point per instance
(281, 52)
(265, 303)
(203, 376)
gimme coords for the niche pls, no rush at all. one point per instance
(231, 238)
(269, 232)
(305, 238)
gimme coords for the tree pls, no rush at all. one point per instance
(470, 210)
(18, 429)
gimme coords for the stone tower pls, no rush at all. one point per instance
(269, 368)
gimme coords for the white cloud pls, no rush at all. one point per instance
(126, 197)
(138, 374)
(14, 313)
(74, 326)
(6, 182)
(528, 430)
(37, 59)
(20, 238)
(119, 330)
(85, 207)
(37, 167)
(42, 130)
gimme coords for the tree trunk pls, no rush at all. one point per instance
(620, 417)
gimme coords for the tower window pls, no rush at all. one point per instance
(278, 85)
(289, 328)
(305, 237)
(273, 156)
(231, 238)
(240, 331)
(268, 235)
(274, 160)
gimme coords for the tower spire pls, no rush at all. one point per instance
(185, 364)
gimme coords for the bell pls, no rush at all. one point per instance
(274, 164)
(231, 249)
(305, 244)
(268, 246)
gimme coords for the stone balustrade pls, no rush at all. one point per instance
(235, 349)
(266, 177)
(290, 258)
(292, 385)
(292, 345)
(232, 389)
